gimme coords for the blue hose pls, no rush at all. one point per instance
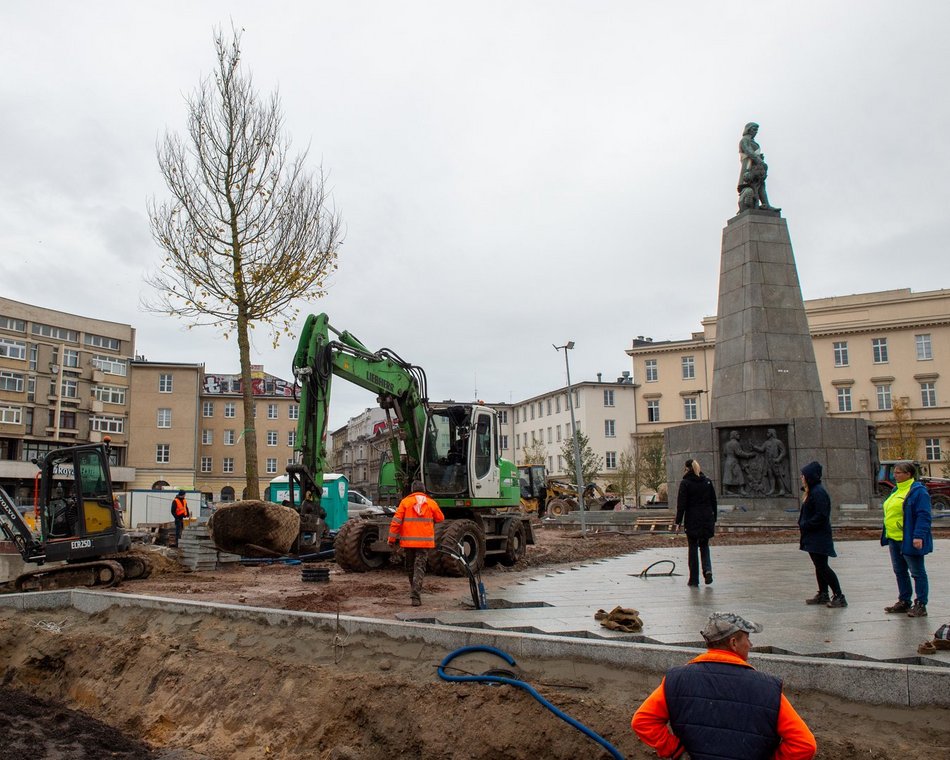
(521, 685)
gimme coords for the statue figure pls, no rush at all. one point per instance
(733, 478)
(776, 470)
(752, 172)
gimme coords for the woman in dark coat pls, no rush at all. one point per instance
(696, 509)
(814, 523)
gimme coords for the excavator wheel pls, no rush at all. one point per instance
(136, 567)
(472, 540)
(515, 545)
(558, 507)
(352, 546)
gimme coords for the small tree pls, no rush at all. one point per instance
(248, 230)
(623, 480)
(533, 453)
(901, 434)
(591, 464)
(652, 461)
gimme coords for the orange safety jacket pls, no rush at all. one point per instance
(181, 507)
(413, 525)
(651, 720)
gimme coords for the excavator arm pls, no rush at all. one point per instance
(400, 389)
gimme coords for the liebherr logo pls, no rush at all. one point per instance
(380, 381)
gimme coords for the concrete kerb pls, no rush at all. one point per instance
(866, 682)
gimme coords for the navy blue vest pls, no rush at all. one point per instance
(721, 711)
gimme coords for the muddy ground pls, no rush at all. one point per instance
(192, 686)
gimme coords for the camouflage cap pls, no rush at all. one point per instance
(723, 624)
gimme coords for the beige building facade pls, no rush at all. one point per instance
(64, 380)
(872, 350)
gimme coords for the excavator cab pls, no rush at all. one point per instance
(78, 518)
(460, 455)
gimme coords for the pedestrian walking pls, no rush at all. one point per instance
(696, 510)
(814, 524)
(907, 535)
(413, 526)
(718, 706)
(180, 511)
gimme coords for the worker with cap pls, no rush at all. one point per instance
(413, 526)
(180, 511)
(718, 705)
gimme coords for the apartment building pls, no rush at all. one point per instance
(63, 381)
(872, 349)
(358, 449)
(188, 428)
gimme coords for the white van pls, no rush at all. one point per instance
(356, 503)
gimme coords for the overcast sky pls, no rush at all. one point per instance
(511, 174)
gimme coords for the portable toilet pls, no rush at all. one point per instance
(334, 500)
(278, 490)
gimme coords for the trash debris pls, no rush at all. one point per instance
(624, 619)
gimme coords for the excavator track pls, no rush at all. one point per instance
(136, 566)
(99, 574)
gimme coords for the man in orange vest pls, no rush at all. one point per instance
(180, 511)
(414, 527)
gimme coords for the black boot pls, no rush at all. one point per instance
(820, 598)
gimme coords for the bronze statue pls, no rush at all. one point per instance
(752, 172)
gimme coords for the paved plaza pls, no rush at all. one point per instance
(767, 583)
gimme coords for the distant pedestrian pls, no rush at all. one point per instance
(907, 535)
(696, 510)
(180, 511)
(814, 524)
(413, 526)
(718, 706)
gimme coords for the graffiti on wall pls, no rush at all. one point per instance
(264, 385)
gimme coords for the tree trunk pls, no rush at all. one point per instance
(247, 393)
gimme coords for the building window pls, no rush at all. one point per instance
(164, 383)
(11, 381)
(207, 409)
(206, 464)
(228, 437)
(689, 367)
(31, 388)
(651, 371)
(109, 394)
(610, 428)
(229, 409)
(272, 411)
(653, 410)
(532, 411)
(879, 350)
(557, 433)
(291, 438)
(924, 350)
(560, 463)
(67, 420)
(610, 460)
(13, 325)
(844, 399)
(549, 407)
(59, 333)
(884, 397)
(841, 353)
(207, 437)
(690, 408)
(162, 453)
(608, 397)
(106, 424)
(932, 449)
(109, 366)
(577, 400)
(550, 435)
(271, 437)
(928, 394)
(100, 341)
(12, 349)
(550, 463)
(271, 467)
(227, 464)
(69, 388)
(518, 440)
(503, 442)
(11, 415)
(293, 412)
(540, 409)
(70, 358)
(502, 417)
(164, 418)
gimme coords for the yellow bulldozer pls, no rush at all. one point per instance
(552, 497)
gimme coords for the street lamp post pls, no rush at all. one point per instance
(578, 470)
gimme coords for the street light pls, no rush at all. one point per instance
(578, 471)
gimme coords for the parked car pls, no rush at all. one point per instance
(357, 503)
(939, 488)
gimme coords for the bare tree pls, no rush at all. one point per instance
(623, 481)
(248, 231)
(900, 433)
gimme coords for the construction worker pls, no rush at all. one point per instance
(413, 526)
(180, 511)
(718, 705)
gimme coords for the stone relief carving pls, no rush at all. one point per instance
(755, 462)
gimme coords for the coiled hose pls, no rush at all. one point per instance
(492, 678)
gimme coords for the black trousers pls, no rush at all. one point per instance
(824, 574)
(697, 549)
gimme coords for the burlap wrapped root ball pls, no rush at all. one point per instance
(246, 527)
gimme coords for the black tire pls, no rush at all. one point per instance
(352, 546)
(455, 532)
(135, 567)
(558, 507)
(516, 544)
(940, 502)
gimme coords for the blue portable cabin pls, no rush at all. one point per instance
(336, 488)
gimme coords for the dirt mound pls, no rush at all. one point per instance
(254, 528)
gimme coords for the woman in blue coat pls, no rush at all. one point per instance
(814, 523)
(907, 535)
